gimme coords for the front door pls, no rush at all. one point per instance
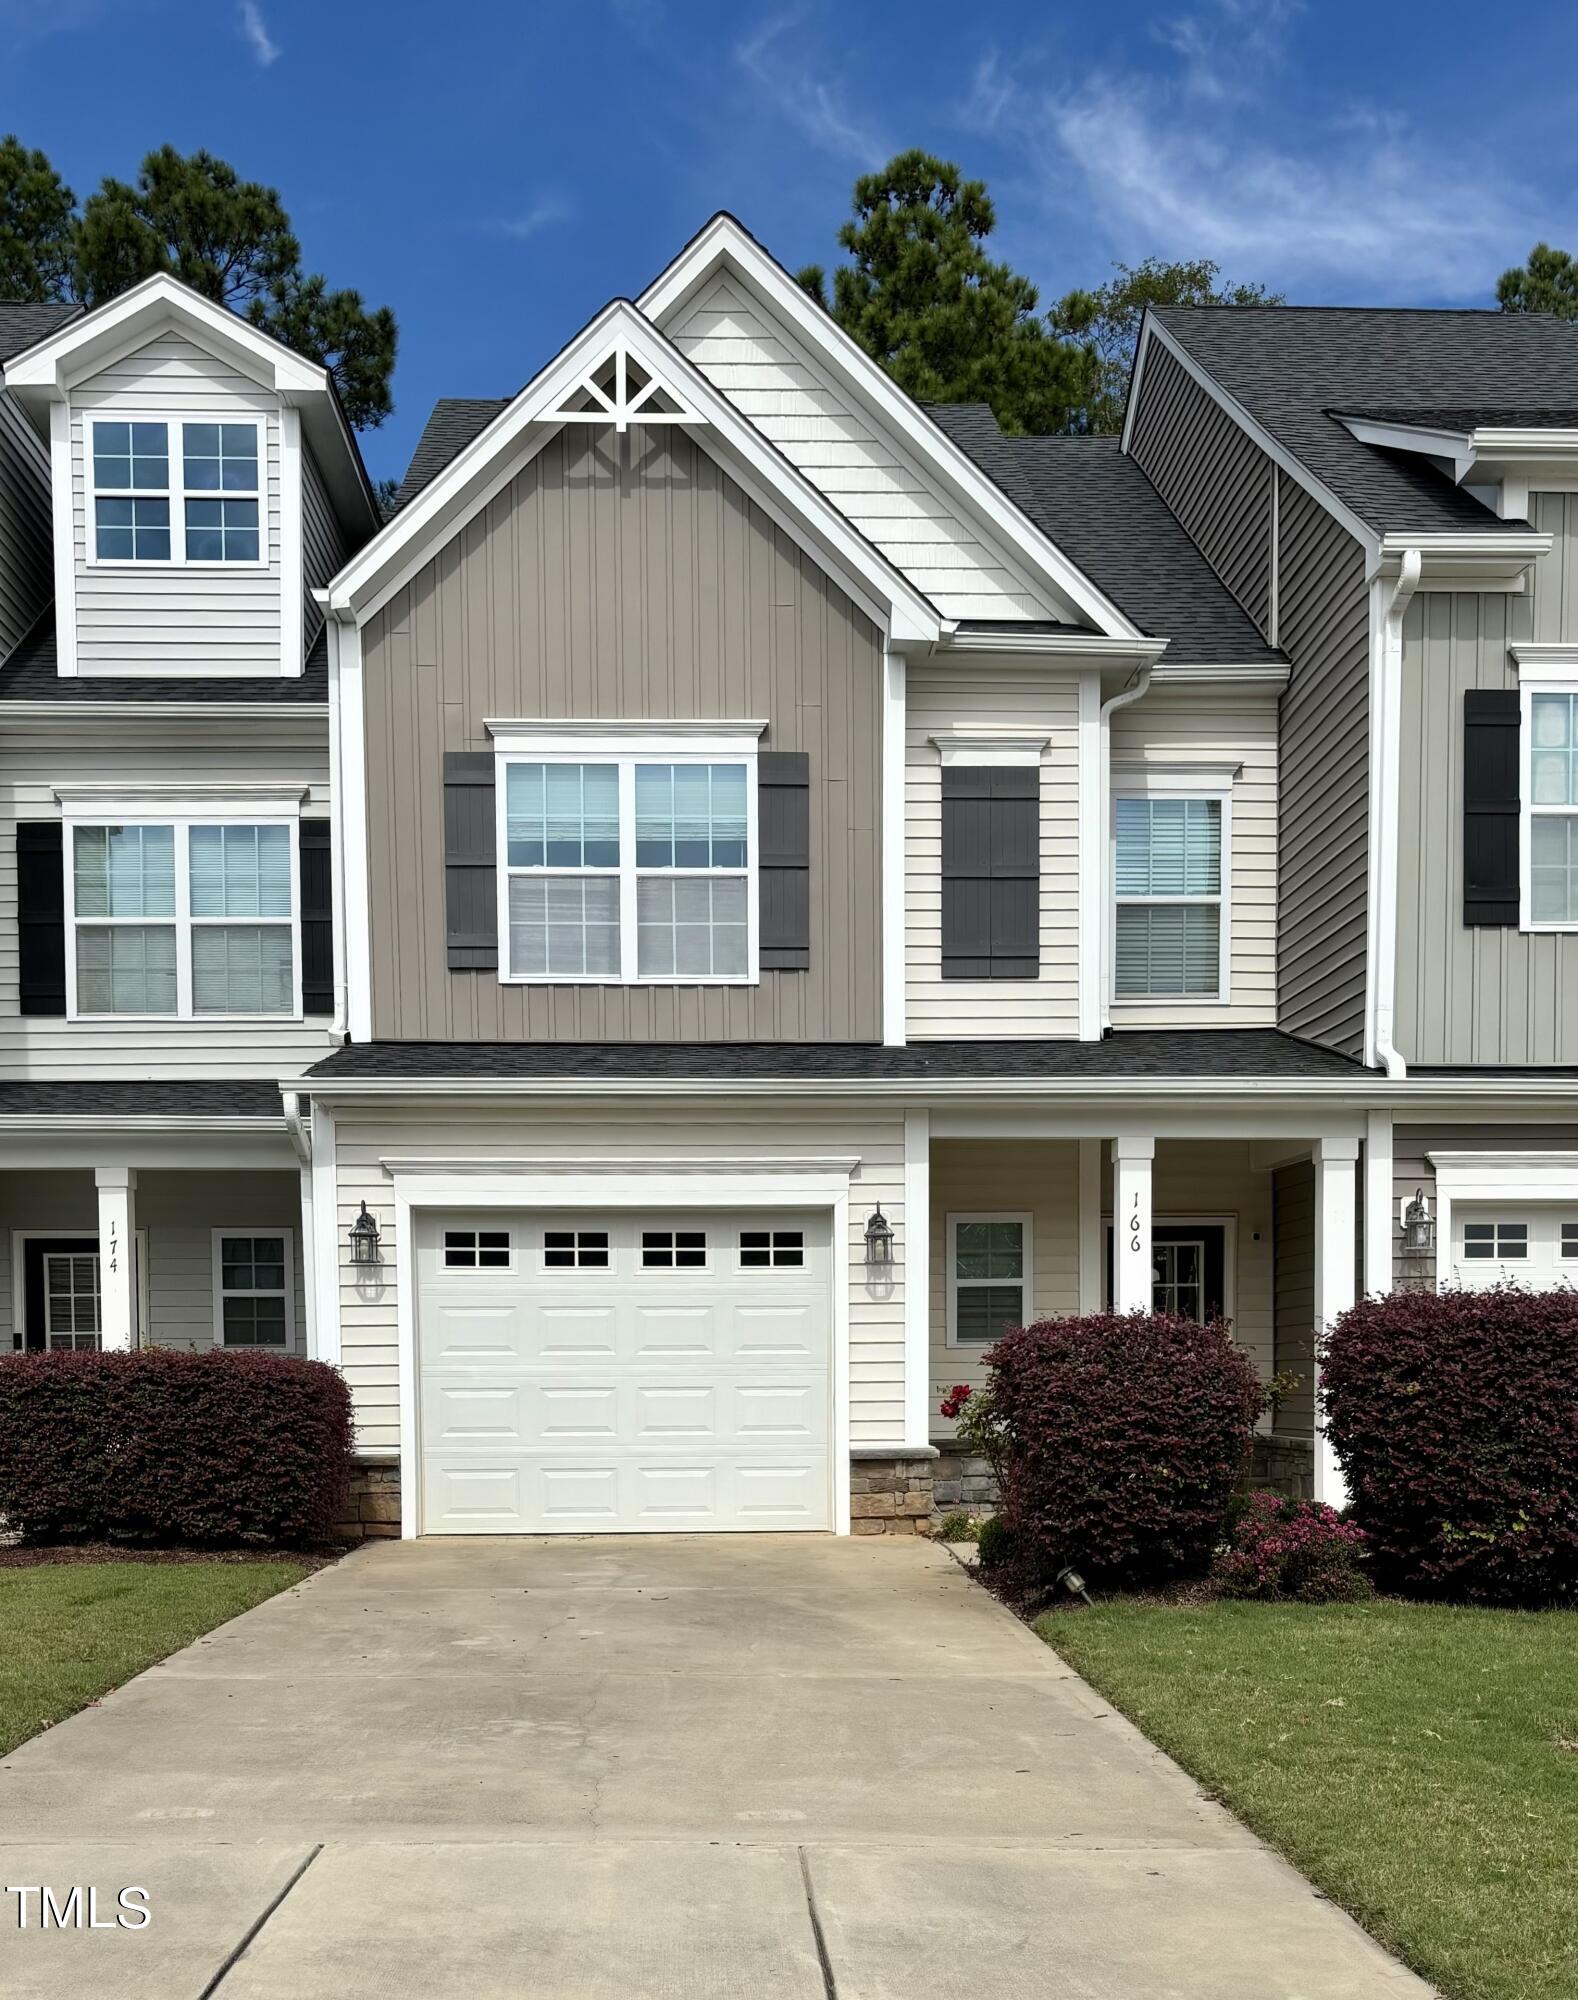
(60, 1279)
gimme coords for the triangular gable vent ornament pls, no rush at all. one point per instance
(620, 390)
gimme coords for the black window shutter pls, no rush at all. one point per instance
(317, 918)
(783, 828)
(991, 871)
(1492, 767)
(470, 862)
(41, 916)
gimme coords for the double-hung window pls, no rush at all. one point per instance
(989, 1261)
(1551, 901)
(626, 865)
(168, 492)
(182, 917)
(1170, 914)
(252, 1287)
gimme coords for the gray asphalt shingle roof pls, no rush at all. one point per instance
(29, 674)
(211, 1098)
(452, 424)
(1291, 366)
(1099, 508)
(22, 323)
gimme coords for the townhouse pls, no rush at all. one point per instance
(743, 886)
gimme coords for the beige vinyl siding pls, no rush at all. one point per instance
(1325, 774)
(32, 767)
(622, 578)
(27, 572)
(769, 374)
(179, 1213)
(1209, 1179)
(173, 619)
(1412, 1171)
(984, 694)
(1294, 1227)
(1475, 995)
(517, 1133)
(1211, 474)
(324, 547)
(1166, 732)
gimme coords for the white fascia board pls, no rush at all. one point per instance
(1092, 649)
(83, 346)
(1469, 560)
(1267, 675)
(497, 454)
(1454, 449)
(1295, 468)
(48, 715)
(161, 1121)
(726, 241)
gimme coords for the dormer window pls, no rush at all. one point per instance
(200, 503)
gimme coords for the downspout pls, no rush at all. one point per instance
(301, 1142)
(1388, 744)
(341, 1018)
(1138, 687)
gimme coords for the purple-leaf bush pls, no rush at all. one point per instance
(1455, 1417)
(1298, 1549)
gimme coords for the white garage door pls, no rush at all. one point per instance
(1533, 1244)
(624, 1371)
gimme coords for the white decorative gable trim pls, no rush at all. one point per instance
(618, 390)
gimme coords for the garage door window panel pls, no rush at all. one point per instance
(575, 1250)
(1502, 1241)
(477, 1250)
(673, 1249)
(772, 1249)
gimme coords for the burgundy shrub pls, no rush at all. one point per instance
(1122, 1437)
(1300, 1549)
(1455, 1416)
(217, 1449)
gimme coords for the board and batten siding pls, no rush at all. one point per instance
(1212, 475)
(178, 1213)
(768, 373)
(157, 618)
(624, 579)
(1323, 867)
(323, 546)
(27, 564)
(32, 767)
(938, 699)
(1480, 995)
(1413, 1173)
(1168, 731)
(513, 1132)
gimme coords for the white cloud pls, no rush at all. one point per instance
(254, 32)
(543, 213)
(792, 73)
(1215, 155)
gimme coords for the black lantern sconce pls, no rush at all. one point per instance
(364, 1239)
(879, 1240)
(1419, 1230)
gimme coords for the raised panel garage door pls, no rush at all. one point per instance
(643, 1371)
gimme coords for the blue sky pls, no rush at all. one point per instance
(495, 172)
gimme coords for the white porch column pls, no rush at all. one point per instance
(1379, 1205)
(1132, 1160)
(917, 1278)
(1336, 1244)
(117, 1188)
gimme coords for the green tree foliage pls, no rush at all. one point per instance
(922, 297)
(193, 216)
(37, 221)
(1547, 283)
(1106, 322)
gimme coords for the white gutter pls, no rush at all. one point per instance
(1139, 687)
(300, 1134)
(1385, 776)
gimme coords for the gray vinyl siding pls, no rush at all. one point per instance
(1413, 1173)
(323, 546)
(1324, 777)
(1294, 1234)
(163, 619)
(621, 579)
(1478, 995)
(32, 766)
(1212, 475)
(179, 1213)
(27, 573)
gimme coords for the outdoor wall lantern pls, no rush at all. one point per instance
(364, 1239)
(1419, 1230)
(879, 1239)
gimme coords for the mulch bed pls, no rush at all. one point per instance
(20, 1556)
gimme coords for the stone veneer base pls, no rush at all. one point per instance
(370, 1510)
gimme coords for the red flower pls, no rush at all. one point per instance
(955, 1399)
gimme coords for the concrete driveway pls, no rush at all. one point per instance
(570, 1769)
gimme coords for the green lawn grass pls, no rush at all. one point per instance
(1418, 1762)
(69, 1632)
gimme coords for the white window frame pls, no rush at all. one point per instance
(1172, 784)
(1026, 1222)
(69, 1341)
(175, 492)
(253, 1231)
(181, 815)
(1559, 677)
(626, 746)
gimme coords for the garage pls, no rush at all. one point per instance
(1533, 1244)
(619, 1372)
